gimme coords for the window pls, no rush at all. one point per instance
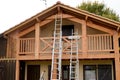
(104, 72)
(97, 72)
(90, 72)
(65, 72)
(67, 30)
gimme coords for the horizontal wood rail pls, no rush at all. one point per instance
(100, 42)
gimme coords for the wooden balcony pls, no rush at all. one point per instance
(102, 43)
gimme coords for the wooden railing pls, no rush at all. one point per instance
(47, 43)
(27, 46)
(95, 43)
(101, 42)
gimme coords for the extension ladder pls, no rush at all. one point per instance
(74, 61)
(57, 49)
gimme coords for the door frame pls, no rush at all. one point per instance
(27, 69)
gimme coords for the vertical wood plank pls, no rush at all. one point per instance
(37, 36)
(17, 70)
(84, 38)
(116, 49)
(110, 42)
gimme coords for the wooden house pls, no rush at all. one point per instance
(26, 49)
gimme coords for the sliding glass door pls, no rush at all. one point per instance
(97, 72)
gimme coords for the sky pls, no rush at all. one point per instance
(13, 12)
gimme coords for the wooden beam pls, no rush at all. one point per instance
(45, 22)
(26, 31)
(74, 19)
(37, 19)
(116, 49)
(63, 16)
(37, 39)
(101, 28)
(84, 38)
(42, 23)
(17, 70)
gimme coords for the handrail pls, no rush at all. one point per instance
(100, 42)
(95, 43)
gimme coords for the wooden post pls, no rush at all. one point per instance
(84, 38)
(116, 49)
(37, 39)
(17, 69)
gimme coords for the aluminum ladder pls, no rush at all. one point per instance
(74, 61)
(57, 49)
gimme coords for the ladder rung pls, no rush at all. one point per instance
(58, 19)
(73, 72)
(57, 33)
(73, 61)
(56, 63)
(57, 29)
(57, 24)
(73, 77)
(73, 67)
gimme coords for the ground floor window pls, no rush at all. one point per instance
(97, 72)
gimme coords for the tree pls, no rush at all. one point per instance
(99, 9)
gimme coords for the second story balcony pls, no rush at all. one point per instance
(99, 43)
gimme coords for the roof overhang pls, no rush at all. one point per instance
(66, 10)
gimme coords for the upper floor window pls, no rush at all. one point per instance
(67, 30)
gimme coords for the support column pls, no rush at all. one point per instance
(84, 38)
(17, 70)
(116, 49)
(37, 39)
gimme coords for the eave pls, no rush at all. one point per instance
(67, 10)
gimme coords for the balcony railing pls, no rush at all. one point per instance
(98, 43)
(47, 43)
(27, 46)
(95, 43)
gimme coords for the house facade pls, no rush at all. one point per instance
(26, 49)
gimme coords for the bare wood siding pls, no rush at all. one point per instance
(47, 30)
(94, 31)
(12, 47)
(7, 70)
(3, 47)
(29, 35)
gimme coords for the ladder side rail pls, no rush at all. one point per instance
(60, 49)
(77, 65)
(53, 50)
(71, 53)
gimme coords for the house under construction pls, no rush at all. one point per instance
(61, 43)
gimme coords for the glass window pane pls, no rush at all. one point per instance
(90, 75)
(104, 72)
(90, 72)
